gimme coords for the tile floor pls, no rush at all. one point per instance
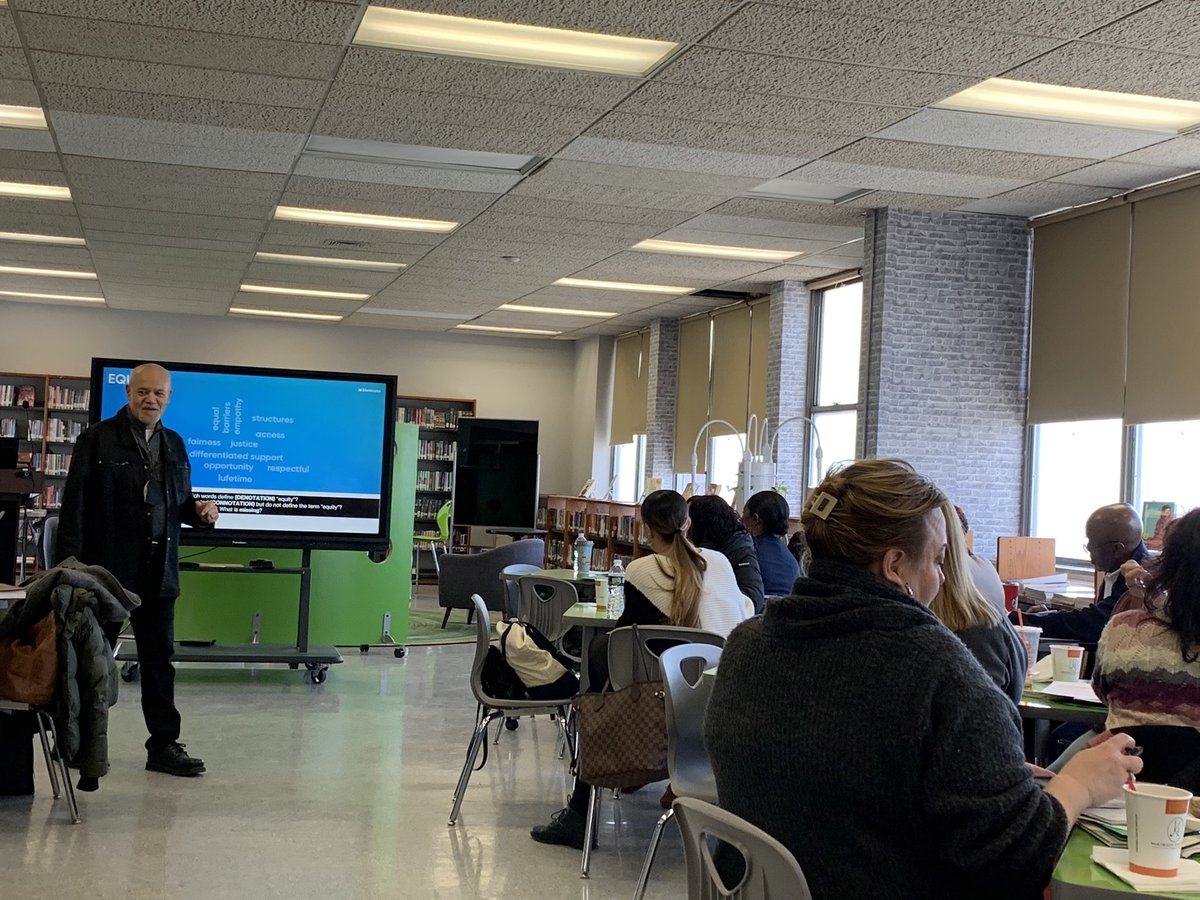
(337, 790)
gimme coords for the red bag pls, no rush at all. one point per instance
(29, 664)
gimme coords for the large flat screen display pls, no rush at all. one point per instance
(293, 459)
(496, 473)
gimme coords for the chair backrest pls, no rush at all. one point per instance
(512, 590)
(632, 660)
(770, 871)
(1171, 754)
(46, 541)
(443, 520)
(686, 699)
(483, 640)
(543, 602)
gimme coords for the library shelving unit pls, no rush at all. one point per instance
(437, 421)
(46, 413)
(613, 527)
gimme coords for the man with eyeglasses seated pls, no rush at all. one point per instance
(1114, 536)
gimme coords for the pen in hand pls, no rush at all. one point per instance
(1135, 750)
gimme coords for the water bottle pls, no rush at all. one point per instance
(616, 590)
(578, 566)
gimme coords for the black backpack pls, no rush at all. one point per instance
(498, 678)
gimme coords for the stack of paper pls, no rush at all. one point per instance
(1117, 861)
(1107, 825)
(1078, 691)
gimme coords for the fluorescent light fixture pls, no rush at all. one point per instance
(301, 292)
(807, 191)
(412, 313)
(1028, 99)
(22, 117)
(558, 311)
(34, 295)
(332, 261)
(387, 153)
(624, 286)
(34, 191)
(361, 220)
(719, 251)
(402, 29)
(41, 238)
(281, 314)
(48, 273)
(504, 330)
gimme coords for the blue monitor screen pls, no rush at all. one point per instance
(291, 458)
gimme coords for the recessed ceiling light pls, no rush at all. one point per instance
(508, 330)
(387, 153)
(807, 191)
(48, 273)
(40, 238)
(623, 286)
(34, 191)
(78, 298)
(558, 311)
(333, 261)
(361, 220)
(718, 250)
(1031, 100)
(281, 314)
(403, 29)
(22, 117)
(301, 292)
(411, 313)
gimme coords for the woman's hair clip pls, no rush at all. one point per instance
(822, 505)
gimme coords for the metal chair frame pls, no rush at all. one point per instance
(56, 767)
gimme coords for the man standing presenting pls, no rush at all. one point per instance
(1114, 536)
(128, 490)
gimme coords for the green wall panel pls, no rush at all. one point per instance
(350, 594)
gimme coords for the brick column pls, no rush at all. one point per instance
(945, 356)
(661, 384)
(787, 379)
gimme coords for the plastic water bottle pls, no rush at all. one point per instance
(580, 548)
(616, 590)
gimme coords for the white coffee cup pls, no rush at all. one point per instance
(1156, 816)
(1030, 635)
(1067, 659)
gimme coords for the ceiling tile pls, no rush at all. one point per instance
(553, 208)
(543, 141)
(184, 110)
(677, 159)
(12, 62)
(117, 240)
(783, 273)
(714, 136)
(25, 139)
(890, 178)
(904, 200)
(920, 46)
(757, 73)
(1123, 175)
(13, 159)
(1037, 199)
(787, 211)
(746, 225)
(18, 92)
(413, 176)
(1182, 152)
(213, 305)
(651, 178)
(1171, 26)
(987, 132)
(632, 197)
(662, 267)
(1103, 67)
(174, 46)
(957, 160)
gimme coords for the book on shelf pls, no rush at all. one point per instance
(75, 399)
(25, 396)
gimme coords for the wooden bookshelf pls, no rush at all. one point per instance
(437, 421)
(613, 527)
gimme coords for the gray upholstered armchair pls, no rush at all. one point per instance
(479, 573)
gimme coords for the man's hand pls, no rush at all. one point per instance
(207, 512)
(1038, 608)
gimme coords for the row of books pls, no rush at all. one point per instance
(442, 451)
(17, 395)
(69, 398)
(427, 507)
(430, 418)
(8, 427)
(435, 481)
(51, 497)
(63, 429)
(50, 463)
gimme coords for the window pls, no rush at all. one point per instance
(724, 463)
(629, 469)
(833, 393)
(1164, 470)
(1076, 468)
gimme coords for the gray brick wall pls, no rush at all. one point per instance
(945, 341)
(662, 379)
(787, 377)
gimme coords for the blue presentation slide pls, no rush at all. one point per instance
(277, 453)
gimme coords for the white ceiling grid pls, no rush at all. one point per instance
(179, 126)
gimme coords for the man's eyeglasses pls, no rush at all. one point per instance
(1089, 546)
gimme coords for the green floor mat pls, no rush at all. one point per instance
(425, 627)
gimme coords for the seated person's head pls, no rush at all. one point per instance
(1114, 534)
(959, 604)
(665, 514)
(766, 513)
(1175, 580)
(713, 521)
(883, 516)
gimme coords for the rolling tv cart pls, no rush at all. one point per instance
(315, 659)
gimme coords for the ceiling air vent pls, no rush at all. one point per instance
(358, 245)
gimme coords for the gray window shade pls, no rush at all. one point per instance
(691, 409)
(760, 340)
(1164, 320)
(731, 366)
(1080, 309)
(629, 391)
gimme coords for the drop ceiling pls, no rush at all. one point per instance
(179, 127)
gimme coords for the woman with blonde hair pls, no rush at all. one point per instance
(852, 726)
(962, 608)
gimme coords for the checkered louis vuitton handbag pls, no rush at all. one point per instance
(623, 734)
